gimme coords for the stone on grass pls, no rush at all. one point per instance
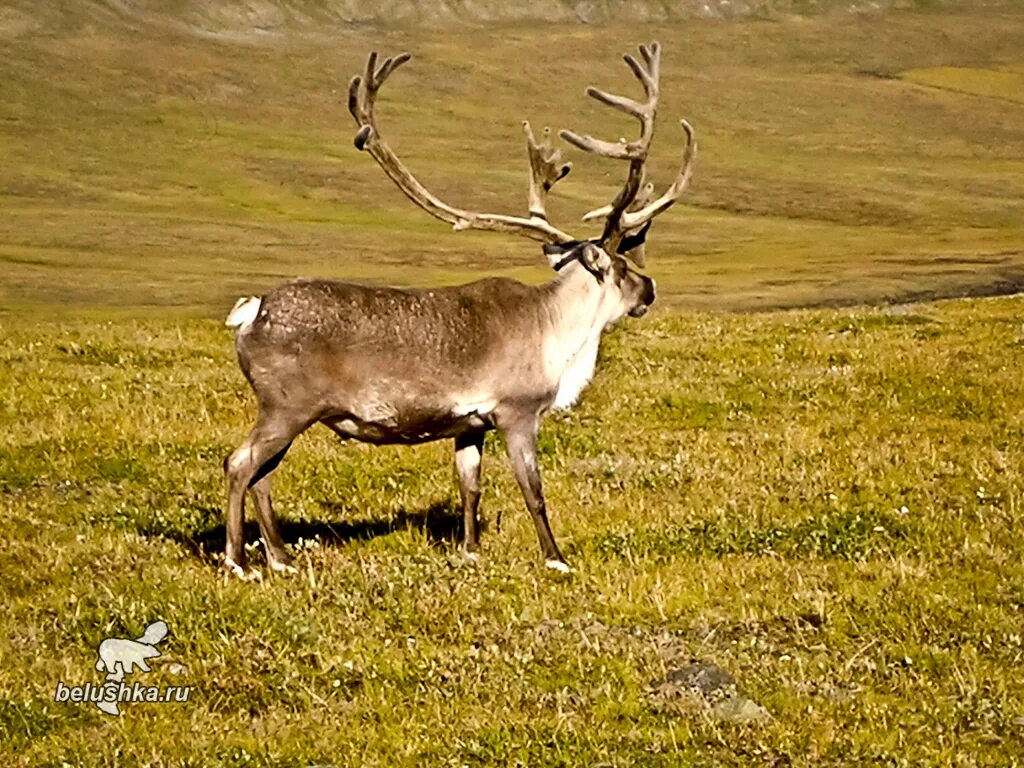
(702, 688)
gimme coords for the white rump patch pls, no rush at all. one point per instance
(244, 312)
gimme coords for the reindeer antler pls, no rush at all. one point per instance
(627, 217)
(546, 167)
(629, 211)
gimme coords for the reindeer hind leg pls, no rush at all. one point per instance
(260, 492)
(248, 466)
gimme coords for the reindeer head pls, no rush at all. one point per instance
(625, 290)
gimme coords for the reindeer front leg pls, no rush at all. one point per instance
(522, 452)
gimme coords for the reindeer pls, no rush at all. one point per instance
(394, 366)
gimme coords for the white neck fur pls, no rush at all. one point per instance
(579, 314)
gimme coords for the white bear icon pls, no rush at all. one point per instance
(120, 656)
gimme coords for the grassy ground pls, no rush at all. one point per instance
(827, 503)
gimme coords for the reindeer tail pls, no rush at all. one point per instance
(243, 313)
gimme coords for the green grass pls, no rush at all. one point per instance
(1005, 83)
(826, 502)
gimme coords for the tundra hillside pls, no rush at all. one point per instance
(825, 502)
(842, 158)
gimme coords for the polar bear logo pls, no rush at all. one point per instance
(120, 657)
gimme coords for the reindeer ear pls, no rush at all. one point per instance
(554, 253)
(596, 260)
(559, 254)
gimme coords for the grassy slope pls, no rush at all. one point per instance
(752, 517)
(198, 167)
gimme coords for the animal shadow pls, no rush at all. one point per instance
(441, 525)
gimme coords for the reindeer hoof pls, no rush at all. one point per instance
(231, 568)
(469, 557)
(283, 567)
(558, 565)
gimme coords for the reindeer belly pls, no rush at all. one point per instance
(405, 426)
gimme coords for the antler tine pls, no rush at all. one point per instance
(642, 198)
(371, 69)
(644, 111)
(652, 56)
(545, 165)
(614, 150)
(621, 103)
(362, 90)
(546, 168)
(389, 66)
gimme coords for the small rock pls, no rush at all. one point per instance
(840, 694)
(700, 686)
(739, 709)
(709, 680)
